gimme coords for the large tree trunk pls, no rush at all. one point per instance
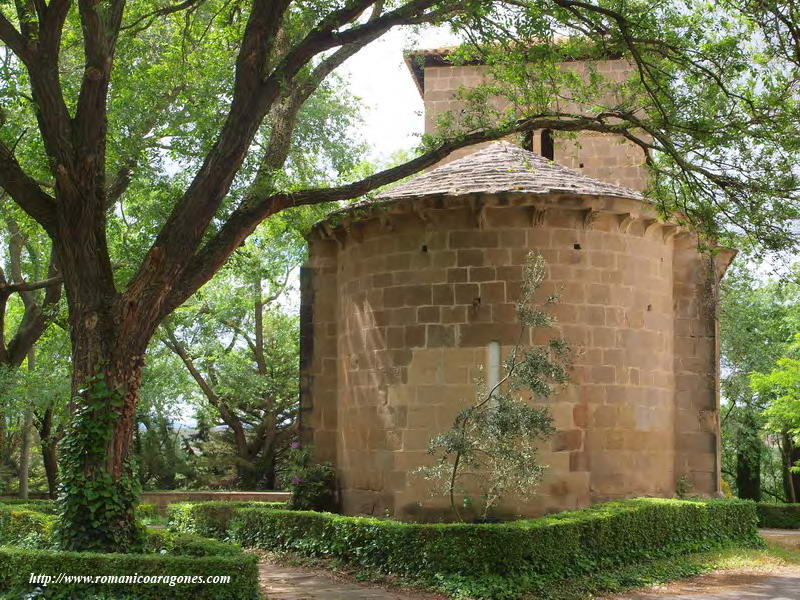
(25, 454)
(47, 444)
(50, 461)
(247, 474)
(98, 490)
(749, 451)
(268, 467)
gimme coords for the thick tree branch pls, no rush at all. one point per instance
(100, 23)
(261, 205)
(31, 286)
(36, 316)
(12, 38)
(24, 190)
(160, 12)
(252, 98)
(184, 228)
(36, 319)
(171, 341)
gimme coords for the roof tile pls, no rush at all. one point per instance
(503, 168)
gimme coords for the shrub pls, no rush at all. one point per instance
(312, 484)
(210, 519)
(779, 516)
(563, 545)
(16, 565)
(146, 511)
(20, 526)
(46, 506)
(187, 544)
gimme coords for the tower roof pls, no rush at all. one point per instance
(503, 168)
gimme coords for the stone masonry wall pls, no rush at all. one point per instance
(697, 365)
(602, 156)
(318, 350)
(419, 294)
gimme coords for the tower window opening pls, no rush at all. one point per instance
(548, 151)
(527, 140)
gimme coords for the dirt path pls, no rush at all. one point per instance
(281, 582)
(778, 584)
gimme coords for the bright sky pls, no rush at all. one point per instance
(393, 118)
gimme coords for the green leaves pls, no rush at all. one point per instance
(505, 560)
(96, 509)
(490, 452)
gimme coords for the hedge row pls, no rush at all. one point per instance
(558, 546)
(209, 519)
(16, 566)
(779, 516)
(19, 525)
(26, 542)
(144, 510)
(187, 544)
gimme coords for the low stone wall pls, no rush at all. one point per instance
(162, 499)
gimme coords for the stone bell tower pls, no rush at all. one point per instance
(403, 297)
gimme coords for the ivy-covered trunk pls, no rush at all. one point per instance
(97, 491)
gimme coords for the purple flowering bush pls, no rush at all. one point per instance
(312, 483)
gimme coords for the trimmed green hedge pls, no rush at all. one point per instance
(210, 519)
(43, 506)
(779, 516)
(22, 501)
(20, 526)
(558, 546)
(16, 565)
(187, 544)
(146, 511)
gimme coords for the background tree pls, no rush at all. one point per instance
(160, 442)
(246, 367)
(781, 389)
(30, 290)
(758, 322)
(215, 88)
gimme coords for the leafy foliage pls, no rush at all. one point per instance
(779, 516)
(758, 320)
(210, 519)
(781, 387)
(493, 444)
(312, 483)
(511, 559)
(96, 512)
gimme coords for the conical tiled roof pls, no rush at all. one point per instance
(502, 168)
